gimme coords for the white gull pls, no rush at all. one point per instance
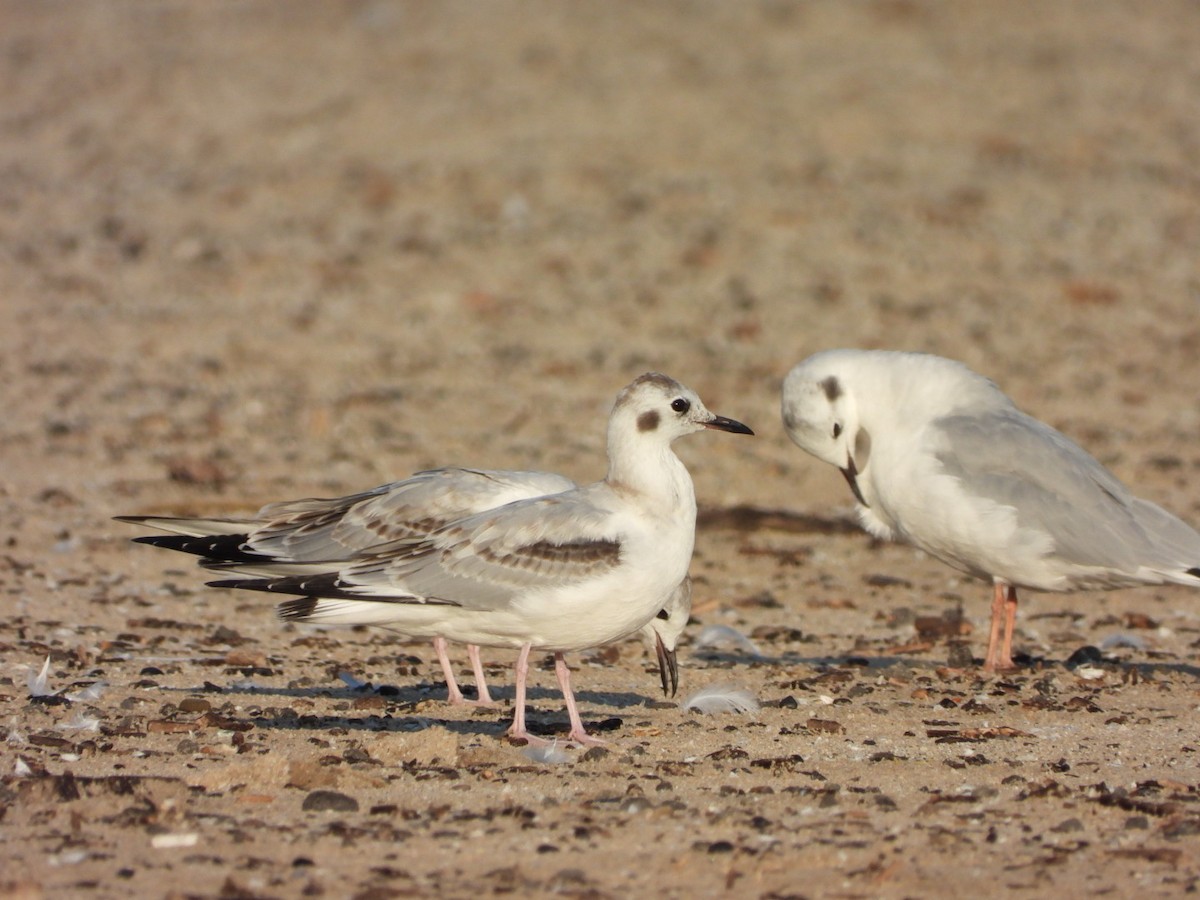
(559, 573)
(938, 456)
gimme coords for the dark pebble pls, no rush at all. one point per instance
(886, 581)
(48, 700)
(1084, 656)
(720, 847)
(329, 801)
(960, 656)
(151, 670)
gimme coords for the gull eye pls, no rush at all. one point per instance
(680, 405)
(664, 615)
(837, 430)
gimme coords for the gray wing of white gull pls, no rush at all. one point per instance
(330, 529)
(480, 562)
(1056, 488)
(487, 560)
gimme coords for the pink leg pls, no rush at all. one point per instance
(577, 734)
(481, 688)
(456, 697)
(1000, 635)
(517, 729)
(439, 646)
(1010, 625)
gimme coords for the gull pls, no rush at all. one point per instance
(936, 455)
(559, 573)
(336, 530)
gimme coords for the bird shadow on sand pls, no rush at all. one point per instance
(716, 660)
(417, 707)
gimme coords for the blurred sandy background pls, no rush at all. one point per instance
(252, 251)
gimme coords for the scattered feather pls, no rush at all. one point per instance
(21, 768)
(15, 737)
(720, 698)
(722, 636)
(1131, 641)
(89, 694)
(79, 722)
(1089, 673)
(351, 682)
(549, 755)
(39, 683)
(68, 858)
(247, 685)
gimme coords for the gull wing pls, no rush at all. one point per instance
(1057, 488)
(311, 530)
(488, 560)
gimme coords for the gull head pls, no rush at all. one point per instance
(820, 415)
(662, 633)
(660, 408)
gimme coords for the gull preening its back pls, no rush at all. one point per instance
(334, 531)
(936, 455)
(558, 573)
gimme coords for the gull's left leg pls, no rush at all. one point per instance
(577, 734)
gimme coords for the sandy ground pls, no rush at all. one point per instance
(256, 251)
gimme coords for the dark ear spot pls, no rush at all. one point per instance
(862, 449)
(648, 421)
(832, 388)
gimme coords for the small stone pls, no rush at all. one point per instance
(329, 801)
(1067, 825)
(1084, 656)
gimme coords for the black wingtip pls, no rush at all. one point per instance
(307, 585)
(300, 608)
(1194, 571)
(256, 584)
(226, 547)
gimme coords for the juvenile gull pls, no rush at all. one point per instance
(336, 530)
(559, 573)
(936, 455)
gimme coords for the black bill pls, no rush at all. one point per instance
(851, 475)
(723, 424)
(668, 667)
